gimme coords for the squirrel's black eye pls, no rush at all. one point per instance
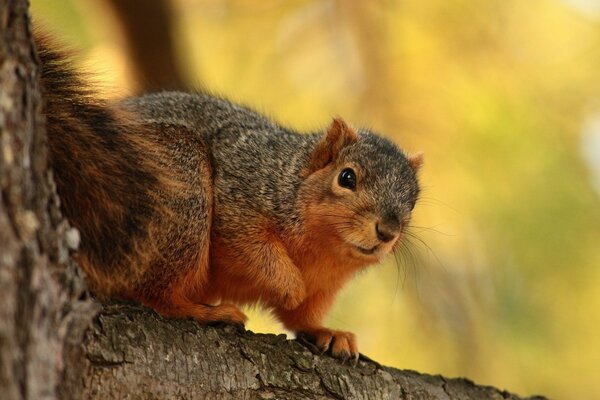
(347, 179)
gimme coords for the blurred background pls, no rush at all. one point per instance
(503, 96)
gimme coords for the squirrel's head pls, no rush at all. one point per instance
(358, 192)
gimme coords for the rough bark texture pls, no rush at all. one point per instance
(131, 352)
(39, 289)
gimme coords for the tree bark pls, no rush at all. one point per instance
(131, 352)
(39, 287)
(49, 346)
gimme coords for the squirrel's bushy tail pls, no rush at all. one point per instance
(138, 191)
(99, 175)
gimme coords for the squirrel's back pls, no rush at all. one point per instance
(257, 163)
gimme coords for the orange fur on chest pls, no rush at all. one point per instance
(268, 264)
(322, 268)
(323, 257)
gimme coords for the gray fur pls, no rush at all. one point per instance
(257, 163)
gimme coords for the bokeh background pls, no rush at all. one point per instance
(503, 96)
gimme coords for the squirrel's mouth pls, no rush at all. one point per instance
(365, 251)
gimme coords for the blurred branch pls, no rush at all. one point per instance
(147, 27)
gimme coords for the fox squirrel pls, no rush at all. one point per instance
(192, 205)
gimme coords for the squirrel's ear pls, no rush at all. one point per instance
(338, 135)
(416, 161)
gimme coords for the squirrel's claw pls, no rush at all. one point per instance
(227, 315)
(306, 341)
(355, 358)
(340, 344)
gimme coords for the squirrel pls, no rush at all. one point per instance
(193, 205)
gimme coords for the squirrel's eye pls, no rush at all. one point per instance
(347, 179)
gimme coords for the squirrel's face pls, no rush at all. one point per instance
(361, 200)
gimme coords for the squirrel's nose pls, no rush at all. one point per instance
(387, 230)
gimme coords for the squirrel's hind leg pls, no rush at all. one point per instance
(181, 307)
(183, 299)
(180, 290)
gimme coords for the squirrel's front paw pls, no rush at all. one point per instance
(340, 344)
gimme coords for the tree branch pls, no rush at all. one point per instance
(131, 352)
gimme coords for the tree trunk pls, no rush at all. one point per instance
(39, 288)
(49, 349)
